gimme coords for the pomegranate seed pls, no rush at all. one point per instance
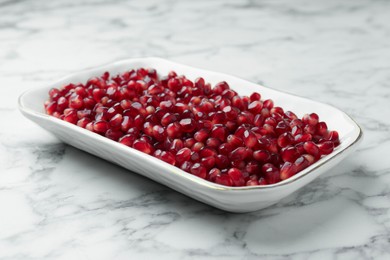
(208, 162)
(83, 122)
(220, 132)
(311, 119)
(236, 177)
(127, 139)
(198, 170)
(301, 163)
(186, 166)
(213, 142)
(261, 155)
(187, 125)
(183, 155)
(222, 161)
(311, 148)
(255, 107)
(326, 147)
(174, 130)
(113, 134)
(250, 139)
(213, 173)
(238, 154)
(289, 154)
(285, 139)
(287, 170)
(224, 179)
(253, 167)
(177, 144)
(143, 146)
(201, 135)
(255, 96)
(167, 157)
(271, 173)
(159, 133)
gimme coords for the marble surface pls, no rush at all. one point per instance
(57, 202)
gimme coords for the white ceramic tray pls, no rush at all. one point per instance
(234, 199)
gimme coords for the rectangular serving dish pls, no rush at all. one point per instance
(233, 199)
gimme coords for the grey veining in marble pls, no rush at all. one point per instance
(57, 202)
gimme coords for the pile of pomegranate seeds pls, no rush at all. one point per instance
(210, 132)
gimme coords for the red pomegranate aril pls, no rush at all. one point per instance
(322, 128)
(143, 146)
(326, 147)
(310, 158)
(113, 134)
(183, 155)
(254, 97)
(219, 132)
(224, 179)
(186, 166)
(225, 148)
(271, 173)
(127, 122)
(212, 133)
(235, 141)
(296, 130)
(289, 154)
(159, 133)
(177, 144)
(213, 142)
(167, 119)
(252, 182)
(195, 157)
(255, 107)
(238, 154)
(262, 181)
(83, 122)
(268, 104)
(285, 139)
(51, 108)
(222, 161)
(128, 139)
(76, 102)
(100, 127)
(187, 125)
(206, 152)
(261, 156)
(301, 163)
(201, 135)
(208, 162)
(250, 139)
(116, 121)
(239, 164)
(236, 177)
(253, 167)
(213, 173)
(311, 119)
(167, 157)
(287, 170)
(334, 137)
(290, 115)
(310, 129)
(197, 146)
(198, 170)
(311, 148)
(302, 138)
(174, 130)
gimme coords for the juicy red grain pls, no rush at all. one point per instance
(212, 133)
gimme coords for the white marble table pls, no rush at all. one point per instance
(57, 202)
